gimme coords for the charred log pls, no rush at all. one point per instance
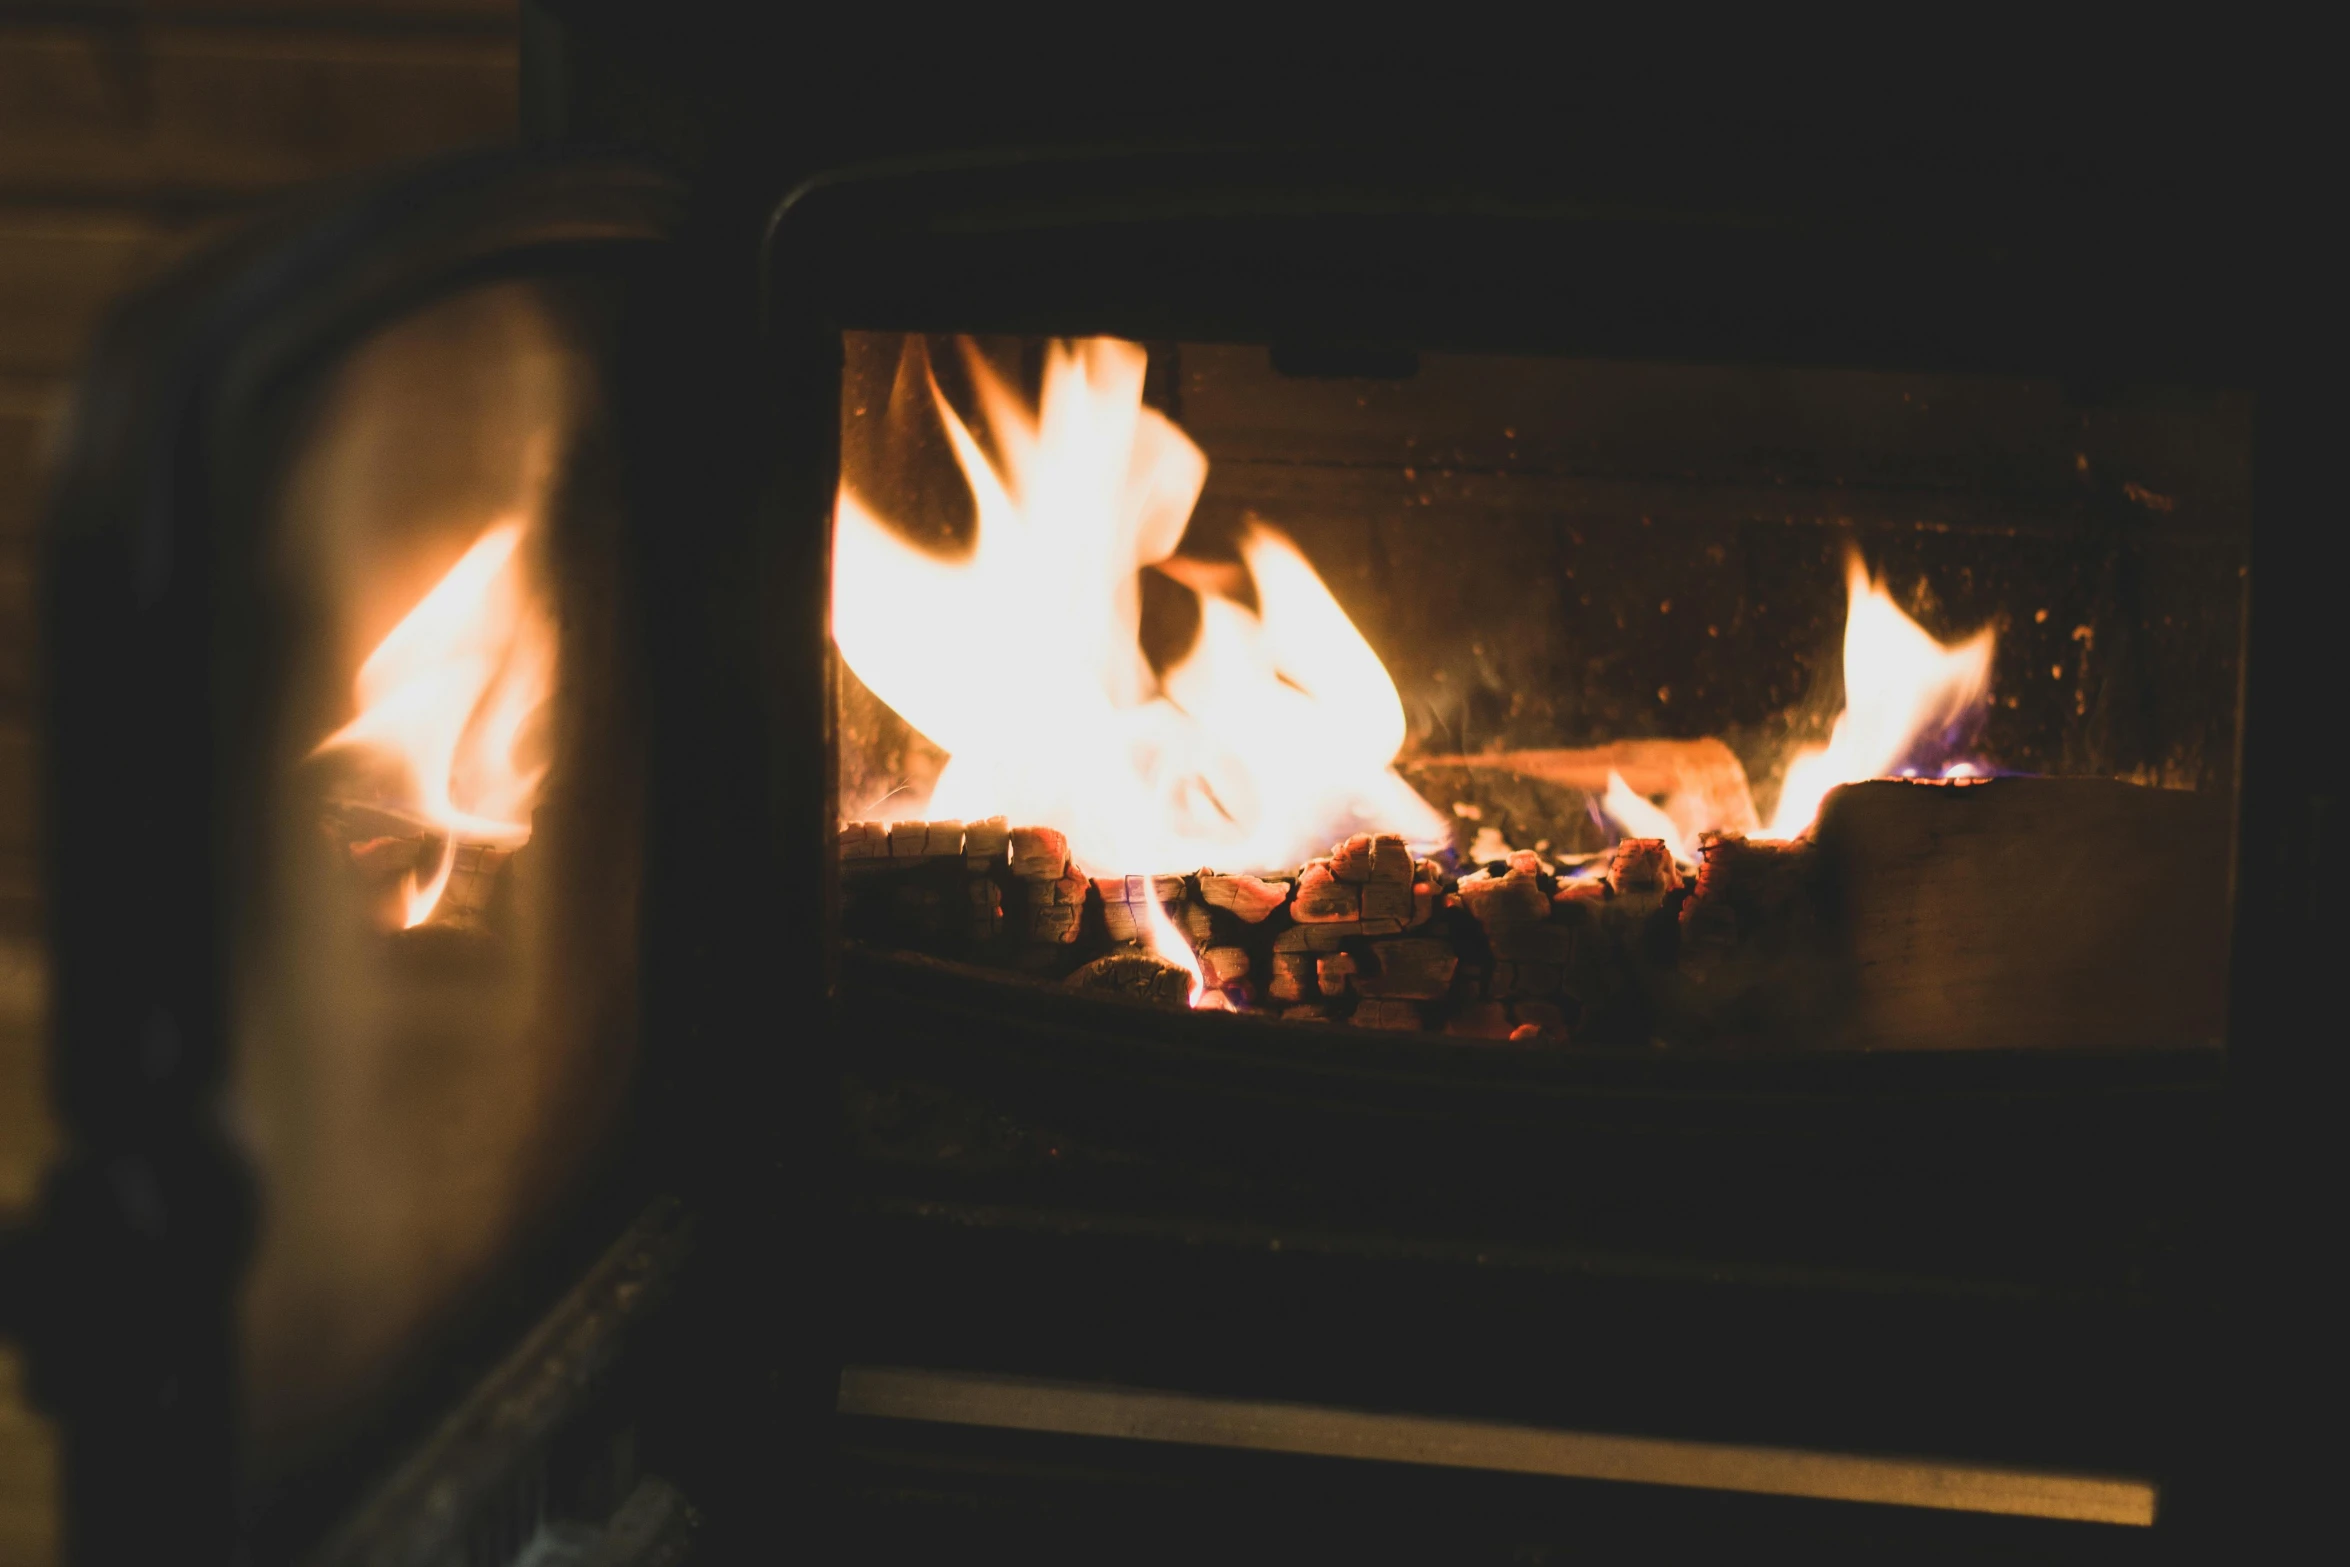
(2022, 913)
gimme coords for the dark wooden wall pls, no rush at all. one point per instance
(128, 132)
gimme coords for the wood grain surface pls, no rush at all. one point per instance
(2031, 913)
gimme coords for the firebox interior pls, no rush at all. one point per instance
(1574, 567)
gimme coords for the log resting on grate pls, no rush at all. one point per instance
(2024, 913)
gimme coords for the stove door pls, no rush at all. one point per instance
(1127, 466)
(349, 767)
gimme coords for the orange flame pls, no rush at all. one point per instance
(1900, 687)
(1023, 661)
(1641, 819)
(449, 693)
(1171, 944)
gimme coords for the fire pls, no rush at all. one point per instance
(449, 695)
(1271, 738)
(1902, 690)
(1640, 819)
(1904, 693)
(1274, 735)
(1170, 944)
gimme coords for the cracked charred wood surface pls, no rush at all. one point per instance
(2024, 913)
(1703, 771)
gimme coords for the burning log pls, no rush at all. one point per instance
(1753, 965)
(1137, 975)
(1244, 896)
(1555, 798)
(925, 840)
(2033, 902)
(1411, 968)
(1323, 897)
(1514, 898)
(1389, 900)
(1705, 773)
(1428, 883)
(1368, 858)
(1641, 874)
(1746, 892)
(1225, 966)
(1039, 853)
(987, 910)
(986, 844)
(1123, 898)
(1055, 907)
(1334, 973)
(1295, 975)
(1333, 936)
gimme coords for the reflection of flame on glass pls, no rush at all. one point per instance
(1267, 741)
(449, 693)
(1902, 690)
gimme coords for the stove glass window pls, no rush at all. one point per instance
(1539, 703)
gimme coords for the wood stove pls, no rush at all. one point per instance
(346, 822)
(480, 686)
(1514, 1194)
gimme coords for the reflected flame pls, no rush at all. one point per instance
(417, 903)
(1902, 689)
(1639, 818)
(1271, 737)
(1169, 943)
(449, 693)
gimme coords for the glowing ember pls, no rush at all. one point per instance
(1169, 943)
(449, 693)
(1902, 689)
(1268, 741)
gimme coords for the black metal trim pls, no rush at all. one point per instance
(496, 1442)
(1105, 1411)
(1204, 245)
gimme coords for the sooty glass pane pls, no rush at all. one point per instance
(1563, 704)
(435, 984)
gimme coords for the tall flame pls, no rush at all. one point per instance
(1169, 943)
(1902, 688)
(449, 693)
(1639, 818)
(1023, 661)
